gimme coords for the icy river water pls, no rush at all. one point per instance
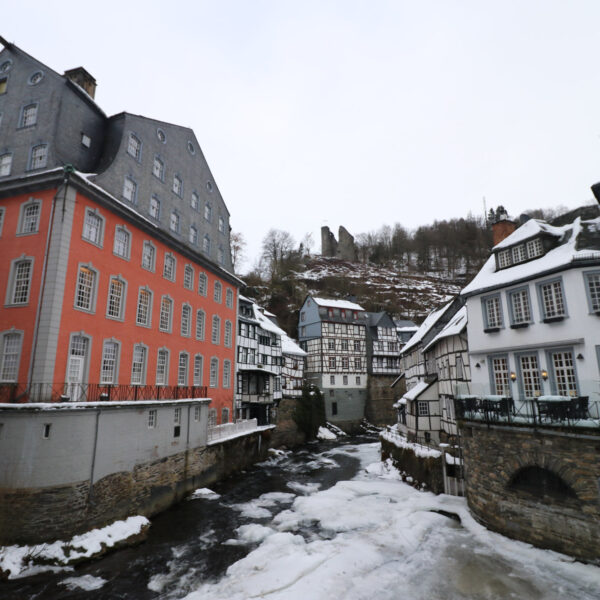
(328, 521)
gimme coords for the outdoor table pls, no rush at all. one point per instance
(553, 406)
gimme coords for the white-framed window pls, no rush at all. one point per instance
(162, 366)
(492, 312)
(198, 370)
(182, 369)
(500, 380)
(29, 115)
(174, 222)
(144, 307)
(200, 324)
(158, 168)
(110, 362)
(519, 254)
(177, 416)
(115, 307)
(220, 255)
(214, 372)
(345, 363)
(29, 218)
(229, 298)
(228, 334)
(195, 203)
(166, 314)
(208, 212)
(503, 259)
(212, 417)
(134, 147)
(122, 242)
(224, 415)
(563, 371)
(169, 267)
(177, 185)
(358, 380)
(423, 408)
(332, 362)
(197, 412)
(148, 256)
(93, 227)
(552, 299)
(202, 284)
(39, 157)
(193, 235)
(20, 281)
(129, 190)
(216, 329)
(592, 282)
(188, 277)
(358, 364)
(86, 288)
(534, 248)
(226, 374)
(11, 356)
(345, 380)
(530, 375)
(186, 320)
(155, 208)
(218, 292)
(77, 364)
(152, 418)
(206, 244)
(138, 364)
(521, 310)
(221, 224)
(5, 164)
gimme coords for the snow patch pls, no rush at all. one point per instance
(325, 434)
(85, 582)
(205, 493)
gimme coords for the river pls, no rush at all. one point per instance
(327, 521)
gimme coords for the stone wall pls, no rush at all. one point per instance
(427, 470)
(286, 432)
(379, 408)
(566, 524)
(345, 248)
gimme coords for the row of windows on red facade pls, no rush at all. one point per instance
(110, 367)
(93, 232)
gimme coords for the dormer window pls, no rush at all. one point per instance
(534, 248)
(518, 254)
(503, 259)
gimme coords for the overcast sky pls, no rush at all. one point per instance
(367, 113)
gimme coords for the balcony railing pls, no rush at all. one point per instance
(544, 411)
(218, 432)
(95, 392)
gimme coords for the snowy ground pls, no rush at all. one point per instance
(375, 536)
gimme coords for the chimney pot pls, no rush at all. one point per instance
(83, 79)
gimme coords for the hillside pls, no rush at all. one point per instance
(401, 292)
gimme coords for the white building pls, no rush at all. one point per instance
(534, 316)
(292, 372)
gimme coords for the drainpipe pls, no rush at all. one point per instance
(67, 171)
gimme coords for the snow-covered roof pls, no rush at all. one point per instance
(427, 324)
(265, 322)
(330, 302)
(454, 327)
(289, 346)
(574, 245)
(417, 390)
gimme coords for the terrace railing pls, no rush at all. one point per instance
(95, 392)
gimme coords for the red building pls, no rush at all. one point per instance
(116, 284)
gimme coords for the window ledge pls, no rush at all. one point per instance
(554, 319)
(491, 330)
(519, 325)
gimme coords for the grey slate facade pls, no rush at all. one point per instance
(44, 112)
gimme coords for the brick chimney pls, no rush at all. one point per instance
(502, 229)
(83, 79)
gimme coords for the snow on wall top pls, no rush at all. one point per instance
(455, 326)
(563, 255)
(337, 303)
(416, 391)
(427, 324)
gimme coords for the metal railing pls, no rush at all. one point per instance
(94, 392)
(217, 432)
(549, 411)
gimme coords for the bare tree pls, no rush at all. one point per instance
(277, 249)
(238, 245)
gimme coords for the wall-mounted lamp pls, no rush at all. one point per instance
(544, 374)
(580, 356)
(477, 366)
(513, 376)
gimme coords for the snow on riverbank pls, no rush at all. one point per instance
(376, 536)
(22, 561)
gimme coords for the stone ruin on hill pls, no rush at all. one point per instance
(344, 248)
